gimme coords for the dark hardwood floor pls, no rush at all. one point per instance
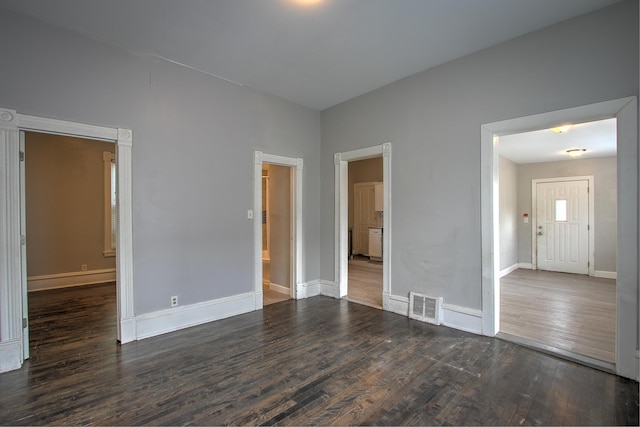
(318, 361)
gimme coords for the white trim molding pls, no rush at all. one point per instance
(462, 318)
(625, 110)
(605, 274)
(74, 278)
(173, 319)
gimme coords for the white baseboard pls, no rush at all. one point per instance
(308, 289)
(508, 270)
(128, 330)
(525, 265)
(75, 278)
(462, 318)
(396, 304)
(280, 289)
(173, 319)
(605, 274)
(328, 288)
(10, 355)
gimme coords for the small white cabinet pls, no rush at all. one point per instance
(375, 243)
(379, 197)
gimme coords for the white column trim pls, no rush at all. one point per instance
(10, 248)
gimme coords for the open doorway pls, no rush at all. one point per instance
(277, 232)
(287, 197)
(366, 213)
(342, 250)
(558, 222)
(69, 220)
(625, 112)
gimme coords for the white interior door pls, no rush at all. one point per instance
(23, 253)
(562, 226)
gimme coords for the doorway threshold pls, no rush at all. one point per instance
(558, 352)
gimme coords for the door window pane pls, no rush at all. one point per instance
(561, 210)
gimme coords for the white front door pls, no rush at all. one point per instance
(562, 226)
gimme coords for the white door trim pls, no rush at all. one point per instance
(534, 214)
(626, 112)
(297, 265)
(341, 262)
(11, 123)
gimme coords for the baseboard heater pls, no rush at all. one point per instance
(425, 308)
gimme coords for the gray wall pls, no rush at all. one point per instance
(433, 120)
(604, 171)
(509, 220)
(65, 204)
(192, 158)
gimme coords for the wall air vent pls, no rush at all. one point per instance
(425, 308)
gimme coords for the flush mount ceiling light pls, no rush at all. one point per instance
(561, 129)
(576, 152)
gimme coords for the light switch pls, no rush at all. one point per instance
(249, 214)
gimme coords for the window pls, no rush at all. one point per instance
(561, 210)
(110, 204)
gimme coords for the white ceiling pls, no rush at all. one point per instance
(598, 138)
(316, 56)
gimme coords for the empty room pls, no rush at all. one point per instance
(222, 287)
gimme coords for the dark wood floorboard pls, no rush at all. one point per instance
(318, 361)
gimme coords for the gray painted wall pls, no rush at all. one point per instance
(510, 221)
(194, 138)
(604, 171)
(433, 120)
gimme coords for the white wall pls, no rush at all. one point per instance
(194, 138)
(433, 120)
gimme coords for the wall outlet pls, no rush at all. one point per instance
(83, 267)
(174, 301)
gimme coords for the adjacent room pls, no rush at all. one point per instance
(306, 212)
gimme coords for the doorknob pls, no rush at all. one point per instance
(539, 233)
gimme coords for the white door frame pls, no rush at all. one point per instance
(296, 202)
(534, 222)
(11, 287)
(341, 262)
(625, 110)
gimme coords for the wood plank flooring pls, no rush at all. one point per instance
(569, 312)
(318, 361)
(365, 281)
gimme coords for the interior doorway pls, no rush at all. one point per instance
(68, 205)
(625, 203)
(366, 213)
(285, 201)
(277, 231)
(565, 313)
(342, 238)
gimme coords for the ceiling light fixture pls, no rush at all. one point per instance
(561, 129)
(576, 152)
